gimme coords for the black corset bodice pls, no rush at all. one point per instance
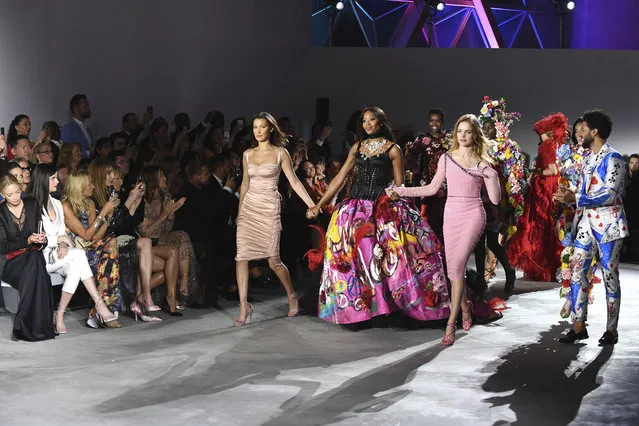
(373, 176)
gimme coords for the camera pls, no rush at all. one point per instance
(236, 172)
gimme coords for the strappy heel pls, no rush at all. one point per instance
(247, 318)
(467, 323)
(293, 305)
(139, 312)
(145, 307)
(107, 323)
(59, 329)
(448, 340)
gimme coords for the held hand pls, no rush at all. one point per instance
(179, 203)
(313, 212)
(3, 143)
(147, 117)
(37, 239)
(393, 195)
(230, 181)
(566, 196)
(43, 136)
(63, 250)
(65, 239)
(108, 208)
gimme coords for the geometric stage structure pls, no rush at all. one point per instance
(461, 24)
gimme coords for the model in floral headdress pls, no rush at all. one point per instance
(508, 161)
(535, 248)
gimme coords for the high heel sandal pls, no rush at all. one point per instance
(293, 308)
(59, 329)
(138, 311)
(448, 340)
(467, 323)
(167, 308)
(107, 323)
(145, 307)
(247, 318)
(98, 320)
(490, 273)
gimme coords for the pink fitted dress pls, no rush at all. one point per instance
(258, 221)
(464, 215)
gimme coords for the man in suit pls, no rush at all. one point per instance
(76, 130)
(599, 226)
(225, 201)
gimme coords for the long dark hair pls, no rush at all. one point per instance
(387, 133)
(13, 133)
(39, 185)
(277, 138)
(573, 135)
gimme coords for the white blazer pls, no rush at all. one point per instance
(53, 229)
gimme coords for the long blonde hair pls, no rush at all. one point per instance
(99, 169)
(480, 143)
(74, 191)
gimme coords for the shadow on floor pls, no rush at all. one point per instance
(536, 376)
(257, 359)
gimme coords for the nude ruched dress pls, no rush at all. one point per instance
(464, 215)
(258, 221)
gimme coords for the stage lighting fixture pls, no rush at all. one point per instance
(340, 5)
(562, 7)
(435, 6)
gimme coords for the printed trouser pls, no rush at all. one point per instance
(587, 245)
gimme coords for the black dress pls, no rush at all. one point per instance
(27, 273)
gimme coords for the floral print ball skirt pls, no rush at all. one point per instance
(380, 257)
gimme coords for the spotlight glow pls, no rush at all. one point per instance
(570, 5)
(339, 5)
(441, 6)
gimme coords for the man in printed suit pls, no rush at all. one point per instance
(76, 131)
(599, 226)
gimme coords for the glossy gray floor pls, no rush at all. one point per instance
(303, 371)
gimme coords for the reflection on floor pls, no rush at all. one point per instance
(302, 371)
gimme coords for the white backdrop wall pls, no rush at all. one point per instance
(243, 56)
(192, 55)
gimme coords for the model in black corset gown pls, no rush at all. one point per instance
(380, 256)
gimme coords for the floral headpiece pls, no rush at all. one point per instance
(495, 110)
(556, 123)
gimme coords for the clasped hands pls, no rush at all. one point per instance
(564, 195)
(313, 212)
(392, 194)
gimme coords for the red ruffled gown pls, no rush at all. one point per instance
(535, 248)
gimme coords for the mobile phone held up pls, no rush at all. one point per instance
(1, 131)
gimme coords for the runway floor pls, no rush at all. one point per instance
(201, 370)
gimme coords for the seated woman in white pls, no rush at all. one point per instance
(60, 255)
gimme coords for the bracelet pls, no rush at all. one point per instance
(98, 222)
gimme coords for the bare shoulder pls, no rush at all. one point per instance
(394, 150)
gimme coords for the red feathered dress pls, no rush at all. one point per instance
(535, 248)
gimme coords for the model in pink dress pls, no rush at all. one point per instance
(464, 215)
